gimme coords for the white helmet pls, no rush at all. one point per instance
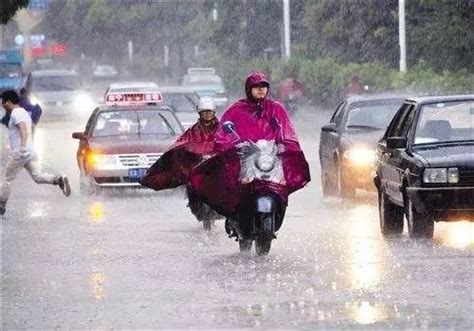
(206, 103)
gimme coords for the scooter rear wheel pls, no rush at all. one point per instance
(207, 224)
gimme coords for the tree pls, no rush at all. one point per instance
(353, 31)
(439, 34)
(8, 9)
(102, 29)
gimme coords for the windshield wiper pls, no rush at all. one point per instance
(359, 126)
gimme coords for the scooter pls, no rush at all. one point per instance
(261, 212)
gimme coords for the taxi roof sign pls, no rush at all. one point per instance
(133, 99)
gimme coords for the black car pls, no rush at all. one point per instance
(425, 165)
(347, 144)
(183, 101)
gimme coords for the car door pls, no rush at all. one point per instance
(393, 160)
(330, 138)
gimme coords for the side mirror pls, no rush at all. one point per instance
(396, 142)
(78, 135)
(331, 127)
(228, 127)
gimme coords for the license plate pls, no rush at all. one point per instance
(136, 173)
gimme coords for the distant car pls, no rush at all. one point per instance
(104, 71)
(60, 93)
(348, 142)
(121, 141)
(206, 82)
(130, 87)
(425, 165)
(183, 101)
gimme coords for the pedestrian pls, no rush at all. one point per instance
(356, 86)
(34, 111)
(22, 153)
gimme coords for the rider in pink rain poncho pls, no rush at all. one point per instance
(255, 117)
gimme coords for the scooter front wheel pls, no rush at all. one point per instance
(263, 243)
(245, 245)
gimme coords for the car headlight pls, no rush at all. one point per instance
(98, 160)
(360, 156)
(83, 102)
(441, 175)
(265, 163)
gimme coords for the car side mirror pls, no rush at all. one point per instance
(396, 142)
(78, 135)
(331, 127)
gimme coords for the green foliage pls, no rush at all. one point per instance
(8, 9)
(325, 78)
(426, 81)
(353, 31)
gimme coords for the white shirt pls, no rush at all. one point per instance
(17, 116)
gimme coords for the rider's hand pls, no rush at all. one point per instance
(245, 149)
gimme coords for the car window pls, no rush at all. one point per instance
(181, 102)
(405, 122)
(10, 70)
(372, 114)
(190, 80)
(445, 121)
(56, 83)
(130, 122)
(338, 114)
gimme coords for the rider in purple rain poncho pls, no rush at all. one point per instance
(255, 117)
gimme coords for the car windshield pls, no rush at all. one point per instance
(10, 70)
(135, 122)
(56, 83)
(193, 80)
(445, 122)
(181, 102)
(372, 114)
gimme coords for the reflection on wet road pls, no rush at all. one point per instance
(138, 259)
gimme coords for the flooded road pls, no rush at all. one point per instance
(138, 259)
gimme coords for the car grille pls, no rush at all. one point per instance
(138, 160)
(466, 176)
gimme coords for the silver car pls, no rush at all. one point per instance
(59, 93)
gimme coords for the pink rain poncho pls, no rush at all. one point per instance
(217, 179)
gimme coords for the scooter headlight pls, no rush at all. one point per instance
(265, 163)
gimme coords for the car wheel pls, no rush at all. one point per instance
(390, 216)
(345, 189)
(419, 225)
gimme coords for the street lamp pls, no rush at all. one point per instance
(402, 35)
(286, 24)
